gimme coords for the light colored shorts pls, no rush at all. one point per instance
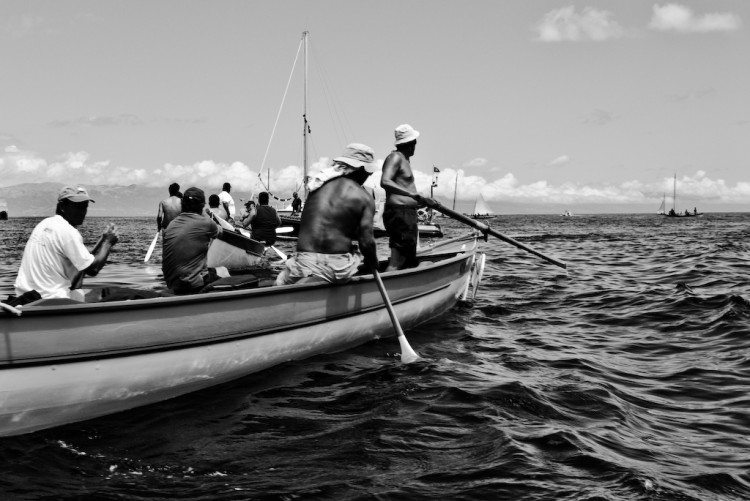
(333, 268)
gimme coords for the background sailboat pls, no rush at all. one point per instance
(663, 207)
(673, 212)
(481, 209)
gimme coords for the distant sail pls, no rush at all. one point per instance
(481, 207)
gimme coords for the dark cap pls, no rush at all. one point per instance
(195, 194)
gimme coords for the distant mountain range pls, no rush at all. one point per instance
(40, 199)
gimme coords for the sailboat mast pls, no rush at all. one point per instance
(674, 194)
(305, 131)
(455, 188)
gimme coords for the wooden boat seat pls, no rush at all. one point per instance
(236, 282)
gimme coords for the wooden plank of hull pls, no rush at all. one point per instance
(69, 365)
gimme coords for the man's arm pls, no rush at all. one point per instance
(391, 169)
(367, 245)
(101, 251)
(159, 217)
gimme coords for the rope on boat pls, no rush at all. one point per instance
(278, 115)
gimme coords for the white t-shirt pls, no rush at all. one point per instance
(226, 197)
(52, 257)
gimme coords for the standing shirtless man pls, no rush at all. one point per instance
(402, 200)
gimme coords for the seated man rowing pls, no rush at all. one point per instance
(185, 246)
(337, 212)
(55, 256)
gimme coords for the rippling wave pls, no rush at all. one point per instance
(625, 378)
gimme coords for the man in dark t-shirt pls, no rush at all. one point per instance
(185, 246)
(296, 203)
(264, 221)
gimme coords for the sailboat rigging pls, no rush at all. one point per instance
(306, 130)
(672, 212)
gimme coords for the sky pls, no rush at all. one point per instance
(526, 102)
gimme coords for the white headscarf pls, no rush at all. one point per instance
(356, 156)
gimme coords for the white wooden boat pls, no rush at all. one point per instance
(63, 362)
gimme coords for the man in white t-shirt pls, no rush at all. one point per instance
(55, 254)
(227, 202)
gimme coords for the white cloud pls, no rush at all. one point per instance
(674, 17)
(19, 166)
(693, 95)
(18, 27)
(561, 160)
(599, 117)
(476, 162)
(697, 188)
(566, 24)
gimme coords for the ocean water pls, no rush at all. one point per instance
(626, 378)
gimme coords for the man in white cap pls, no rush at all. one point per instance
(337, 212)
(55, 254)
(402, 200)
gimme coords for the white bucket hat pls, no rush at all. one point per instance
(358, 155)
(406, 133)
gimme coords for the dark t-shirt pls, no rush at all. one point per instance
(296, 204)
(264, 224)
(184, 250)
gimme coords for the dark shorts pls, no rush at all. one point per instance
(400, 222)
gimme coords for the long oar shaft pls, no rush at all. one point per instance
(151, 247)
(486, 229)
(408, 355)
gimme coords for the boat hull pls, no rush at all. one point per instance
(62, 364)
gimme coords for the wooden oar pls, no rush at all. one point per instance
(407, 354)
(279, 253)
(151, 247)
(486, 229)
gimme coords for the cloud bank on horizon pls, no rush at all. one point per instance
(567, 25)
(18, 166)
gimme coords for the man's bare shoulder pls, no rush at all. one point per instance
(395, 157)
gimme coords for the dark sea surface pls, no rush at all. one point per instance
(626, 378)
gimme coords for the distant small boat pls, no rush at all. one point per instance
(3, 210)
(672, 212)
(567, 213)
(481, 209)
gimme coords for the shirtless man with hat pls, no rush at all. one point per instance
(337, 212)
(402, 200)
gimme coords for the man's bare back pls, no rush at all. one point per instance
(340, 212)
